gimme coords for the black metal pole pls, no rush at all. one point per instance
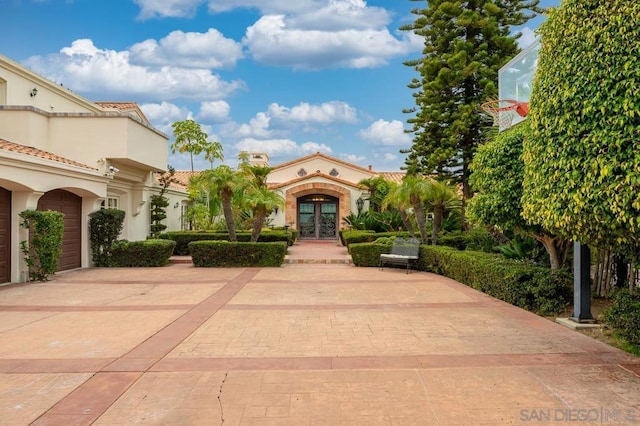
(581, 283)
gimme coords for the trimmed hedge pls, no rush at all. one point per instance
(531, 287)
(183, 238)
(624, 316)
(151, 252)
(534, 288)
(226, 254)
(368, 254)
(354, 237)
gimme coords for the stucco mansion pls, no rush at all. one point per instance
(62, 152)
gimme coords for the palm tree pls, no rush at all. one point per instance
(208, 203)
(413, 190)
(223, 180)
(213, 151)
(261, 201)
(440, 198)
(257, 195)
(378, 188)
(189, 138)
(394, 200)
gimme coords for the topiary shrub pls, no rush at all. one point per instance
(581, 159)
(141, 253)
(105, 227)
(534, 288)
(227, 254)
(624, 316)
(42, 251)
(368, 254)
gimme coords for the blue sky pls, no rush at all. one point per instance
(286, 77)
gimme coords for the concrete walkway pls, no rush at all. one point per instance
(304, 344)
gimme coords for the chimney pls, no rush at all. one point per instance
(370, 169)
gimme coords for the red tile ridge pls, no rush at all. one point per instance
(35, 152)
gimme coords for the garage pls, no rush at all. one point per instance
(5, 235)
(71, 206)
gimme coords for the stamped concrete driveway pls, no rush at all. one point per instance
(296, 345)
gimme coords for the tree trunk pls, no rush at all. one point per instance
(258, 222)
(498, 236)
(556, 247)
(420, 219)
(407, 223)
(227, 210)
(438, 218)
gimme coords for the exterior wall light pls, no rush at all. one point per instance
(33, 92)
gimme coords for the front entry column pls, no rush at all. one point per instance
(581, 283)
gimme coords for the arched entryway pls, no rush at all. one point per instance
(318, 217)
(5, 235)
(71, 206)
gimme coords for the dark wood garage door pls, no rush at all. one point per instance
(71, 206)
(5, 235)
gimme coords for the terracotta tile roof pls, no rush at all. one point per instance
(34, 152)
(182, 177)
(124, 107)
(393, 176)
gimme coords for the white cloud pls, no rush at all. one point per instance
(265, 6)
(382, 132)
(303, 34)
(341, 15)
(86, 68)
(257, 126)
(527, 38)
(327, 112)
(281, 147)
(216, 111)
(164, 111)
(188, 50)
(167, 8)
(274, 40)
(162, 115)
(352, 158)
(389, 156)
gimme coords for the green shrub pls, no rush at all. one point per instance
(105, 227)
(226, 254)
(368, 254)
(624, 316)
(537, 289)
(477, 239)
(141, 253)
(44, 247)
(183, 238)
(353, 237)
(385, 240)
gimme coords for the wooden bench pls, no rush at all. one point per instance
(403, 252)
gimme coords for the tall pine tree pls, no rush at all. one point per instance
(465, 44)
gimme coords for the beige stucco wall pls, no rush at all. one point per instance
(324, 165)
(30, 178)
(60, 122)
(86, 139)
(51, 96)
(346, 194)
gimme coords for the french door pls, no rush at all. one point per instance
(318, 217)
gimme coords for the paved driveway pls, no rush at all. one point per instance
(299, 345)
